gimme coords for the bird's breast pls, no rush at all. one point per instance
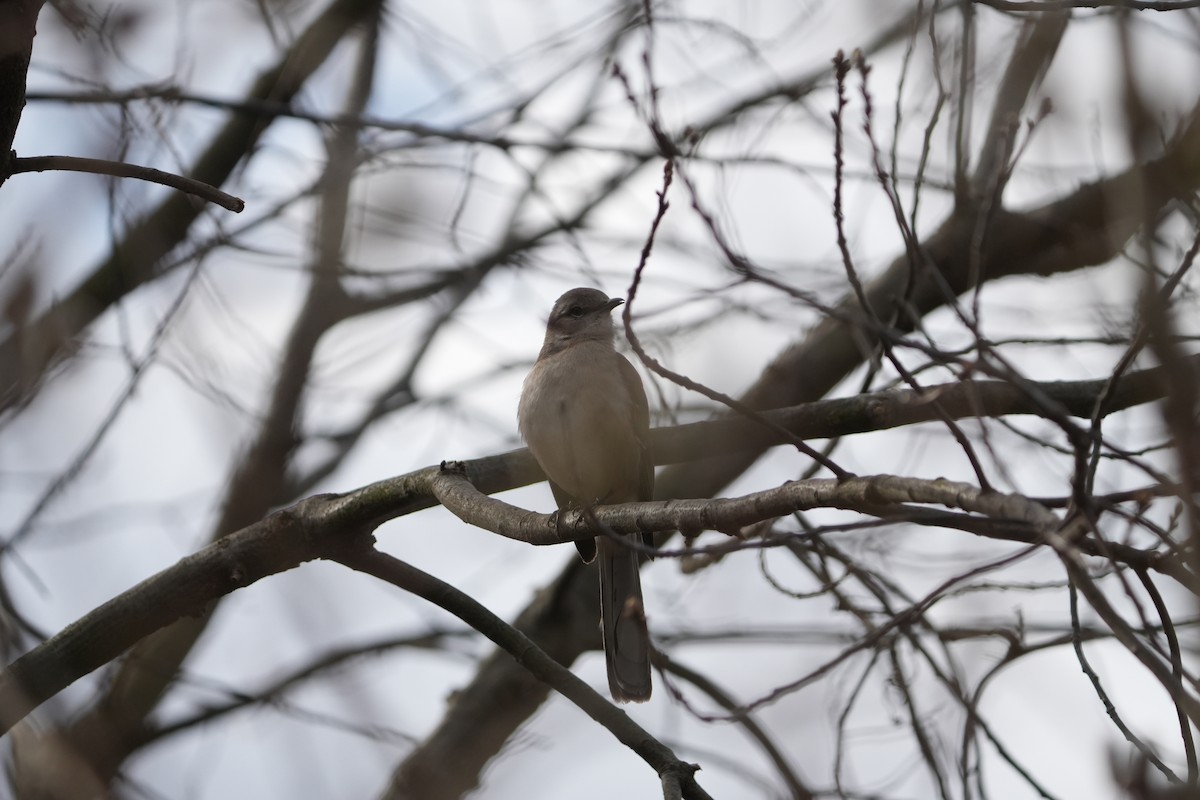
(577, 417)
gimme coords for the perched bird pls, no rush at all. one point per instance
(584, 414)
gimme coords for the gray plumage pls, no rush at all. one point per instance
(584, 414)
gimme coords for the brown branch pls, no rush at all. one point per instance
(25, 355)
(1087, 227)
(1005, 516)
(875, 495)
(111, 727)
(391, 570)
(1034, 51)
(310, 528)
(898, 407)
(119, 169)
(280, 542)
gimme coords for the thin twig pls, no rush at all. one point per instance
(119, 169)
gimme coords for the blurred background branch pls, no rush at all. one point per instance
(961, 257)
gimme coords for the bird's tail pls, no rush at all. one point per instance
(623, 621)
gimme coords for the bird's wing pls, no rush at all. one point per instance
(641, 429)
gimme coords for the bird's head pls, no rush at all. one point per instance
(581, 315)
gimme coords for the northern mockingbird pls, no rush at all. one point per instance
(584, 414)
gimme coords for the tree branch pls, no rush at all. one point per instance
(529, 656)
(25, 354)
(111, 727)
(1084, 228)
(316, 526)
(278, 543)
(119, 169)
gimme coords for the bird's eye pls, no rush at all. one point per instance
(575, 311)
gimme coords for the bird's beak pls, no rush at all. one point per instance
(613, 303)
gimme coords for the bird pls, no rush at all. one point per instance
(583, 412)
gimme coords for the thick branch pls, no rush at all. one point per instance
(25, 354)
(111, 728)
(890, 409)
(874, 495)
(529, 656)
(187, 589)
(1087, 227)
(1039, 41)
(315, 527)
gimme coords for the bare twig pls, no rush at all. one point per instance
(118, 169)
